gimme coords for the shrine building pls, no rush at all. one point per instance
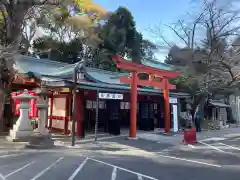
(92, 84)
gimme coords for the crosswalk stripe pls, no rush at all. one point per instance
(46, 169)
(78, 170)
(114, 173)
(19, 169)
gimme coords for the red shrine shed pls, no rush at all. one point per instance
(152, 109)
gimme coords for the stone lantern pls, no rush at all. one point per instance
(23, 129)
(42, 107)
(41, 137)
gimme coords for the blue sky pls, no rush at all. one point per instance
(151, 13)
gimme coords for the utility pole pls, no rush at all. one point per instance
(96, 115)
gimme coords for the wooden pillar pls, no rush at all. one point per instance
(166, 107)
(133, 111)
(51, 113)
(80, 114)
(70, 110)
(66, 115)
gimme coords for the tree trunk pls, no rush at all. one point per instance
(2, 104)
(198, 100)
(6, 78)
(15, 18)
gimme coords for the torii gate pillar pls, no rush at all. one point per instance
(166, 107)
(133, 110)
(134, 81)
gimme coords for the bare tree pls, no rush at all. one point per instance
(206, 56)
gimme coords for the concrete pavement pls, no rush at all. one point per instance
(178, 137)
(50, 165)
(120, 159)
(115, 158)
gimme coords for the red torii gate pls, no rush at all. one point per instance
(134, 81)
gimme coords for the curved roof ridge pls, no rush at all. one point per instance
(157, 64)
(67, 66)
(103, 76)
(42, 60)
(105, 71)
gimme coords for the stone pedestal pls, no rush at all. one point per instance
(41, 138)
(22, 130)
(40, 141)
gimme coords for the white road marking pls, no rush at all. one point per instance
(189, 160)
(211, 146)
(191, 146)
(214, 139)
(78, 170)
(114, 173)
(230, 146)
(19, 169)
(140, 177)
(123, 169)
(2, 177)
(46, 169)
(12, 155)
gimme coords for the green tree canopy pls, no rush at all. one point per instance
(116, 35)
(120, 37)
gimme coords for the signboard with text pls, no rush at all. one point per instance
(110, 96)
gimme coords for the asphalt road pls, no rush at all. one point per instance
(120, 159)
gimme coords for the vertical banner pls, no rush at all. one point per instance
(175, 118)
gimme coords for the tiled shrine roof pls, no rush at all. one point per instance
(58, 74)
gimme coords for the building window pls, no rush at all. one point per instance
(89, 104)
(127, 105)
(122, 105)
(101, 104)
